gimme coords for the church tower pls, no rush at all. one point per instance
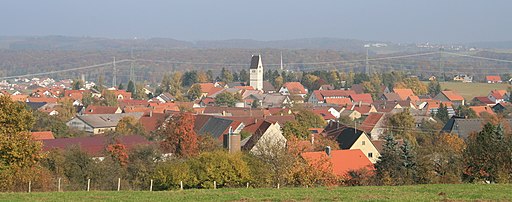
(256, 73)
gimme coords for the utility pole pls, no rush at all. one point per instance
(132, 71)
(441, 70)
(367, 66)
(282, 61)
(114, 76)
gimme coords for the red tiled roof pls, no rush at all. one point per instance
(341, 161)
(43, 99)
(206, 87)
(495, 78)
(91, 109)
(481, 109)
(371, 121)
(434, 104)
(295, 88)
(324, 113)
(339, 101)
(153, 122)
(484, 100)
(45, 135)
(363, 109)
(363, 98)
(403, 93)
(498, 94)
(452, 96)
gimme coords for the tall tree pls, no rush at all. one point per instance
(442, 113)
(226, 75)
(180, 137)
(434, 88)
(226, 98)
(131, 87)
(194, 92)
(77, 84)
(387, 168)
(243, 76)
(120, 87)
(409, 164)
(402, 125)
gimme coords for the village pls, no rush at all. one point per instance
(250, 116)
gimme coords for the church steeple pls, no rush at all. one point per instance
(256, 73)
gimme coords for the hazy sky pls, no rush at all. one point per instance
(388, 20)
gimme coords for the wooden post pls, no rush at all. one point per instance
(214, 184)
(247, 185)
(118, 184)
(29, 186)
(277, 185)
(181, 185)
(151, 186)
(58, 187)
(88, 184)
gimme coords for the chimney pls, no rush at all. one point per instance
(150, 113)
(312, 139)
(328, 151)
(360, 102)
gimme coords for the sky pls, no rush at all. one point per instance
(438, 21)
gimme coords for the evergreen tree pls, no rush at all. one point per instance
(409, 163)
(120, 87)
(442, 113)
(434, 88)
(388, 166)
(243, 76)
(131, 87)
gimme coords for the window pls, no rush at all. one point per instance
(363, 143)
(370, 155)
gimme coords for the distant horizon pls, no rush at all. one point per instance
(230, 39)
(397, 21)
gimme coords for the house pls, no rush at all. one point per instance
(271, 100)
(326, 87)
(268, 87)
(264, 136)
(164, 97)
(463, 78)
(481, 110)
(450, 96)
(502, 107)
(94, 145)
(217, 127)
(353, 115)
(338, 101)
(122, 94)
(293, 88)
(91, 109)
(365, 98)
(482, 101)
(403, 93)
(431, 107)
(319, 96)
(390, 97)
(374, 125)
(326, 113)
(364, 109)
(498, 96)
(351, 138)
(493, 79)
(99, 123)
(43, 135)
(465, 127)
(339, 162)
(153, 121)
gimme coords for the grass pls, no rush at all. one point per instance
(471, 90)
(458, 192)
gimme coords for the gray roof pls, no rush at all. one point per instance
(267, 86)
(106, 120)
(215, 126)
(254, 61)
(464, 127)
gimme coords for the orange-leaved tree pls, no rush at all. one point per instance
(179, 136)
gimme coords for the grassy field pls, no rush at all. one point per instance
(471, 90)
(460, 192)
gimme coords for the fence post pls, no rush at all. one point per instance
(214, 184)
(29, 186)
(151, 186)
(277, 185)
(58, 188)
(247, 185)
(88, 184)
(181, 185)
(118, 184)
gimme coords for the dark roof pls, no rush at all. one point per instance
(93, 145)
(35, 105)
(344, 135)
(257, 130)
(267, 86)
(464, 127)
(254, 61)
(215, 126)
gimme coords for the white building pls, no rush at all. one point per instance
(256, 73)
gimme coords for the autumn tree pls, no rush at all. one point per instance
(434, 88)
(179, 136)
(402, 124)
(309, 119)
(108, 98)
(128, 125)
(66, 110)
(226, 75)
(226, 98)
(202, 77)
(194, 92)
(118, 152)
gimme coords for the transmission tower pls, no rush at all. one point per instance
(114, 74)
